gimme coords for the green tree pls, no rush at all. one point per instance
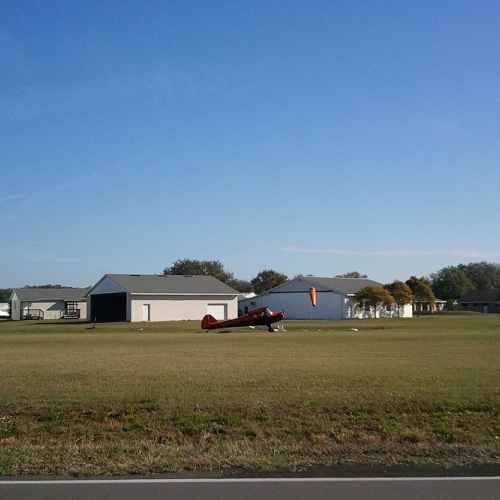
(482, 274)
(5, 294)
(450, 283)
(199, 267)
(422, 292)
(401, 293)
(352, 274)
(267, 279)
(374, 296)
(421, 289)
(242, 286)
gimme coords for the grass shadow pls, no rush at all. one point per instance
(62, 322)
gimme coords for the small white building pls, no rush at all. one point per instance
(48, 303)
(4, 310)
(153, 297)
(335, 299)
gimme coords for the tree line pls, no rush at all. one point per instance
(396, 293)
(449, 283)
(264, 280)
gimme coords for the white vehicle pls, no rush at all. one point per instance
(4, 314)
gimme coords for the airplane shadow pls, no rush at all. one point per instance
(242, 330)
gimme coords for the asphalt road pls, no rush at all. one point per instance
(487, 488)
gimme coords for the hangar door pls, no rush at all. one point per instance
(218, 311)
(108, 307)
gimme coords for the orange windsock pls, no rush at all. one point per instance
(313, 296)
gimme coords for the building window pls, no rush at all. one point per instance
(70, 307)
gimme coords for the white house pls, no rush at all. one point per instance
(48, 303)
(335, 299)
(152, 297)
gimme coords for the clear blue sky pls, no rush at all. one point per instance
(310, 137)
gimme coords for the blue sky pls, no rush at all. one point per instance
(309, 137)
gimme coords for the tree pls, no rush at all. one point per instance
(422, 293)
(482, 274)
(450, 283)
(267, 279)
(242, 286)
(374, 296)
(200, 267)
(401, 293)
(5, 294)
(352, 274)
(421, 289)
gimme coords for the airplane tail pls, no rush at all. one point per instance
(207, 321)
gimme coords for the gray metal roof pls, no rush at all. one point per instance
(345, 286)
(174, 284)
(49, 294)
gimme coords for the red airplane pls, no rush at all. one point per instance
(260, 316)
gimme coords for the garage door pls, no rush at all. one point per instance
(108, 307)
(218, 311)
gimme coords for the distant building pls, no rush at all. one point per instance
(482, 300)
(48, 303)
(4, 310)
(427, 307)
(335, 299)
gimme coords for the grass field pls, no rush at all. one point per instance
(114, 399)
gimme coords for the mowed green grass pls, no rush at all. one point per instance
(149, 398)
